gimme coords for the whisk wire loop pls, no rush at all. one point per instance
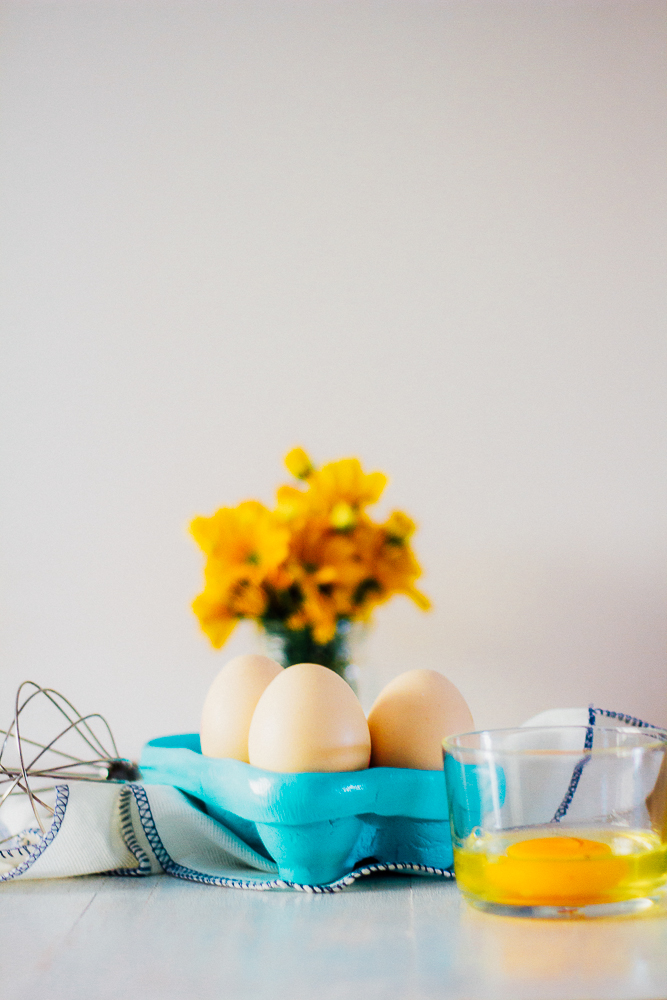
(95, 759)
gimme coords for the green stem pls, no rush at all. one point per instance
(299, 646)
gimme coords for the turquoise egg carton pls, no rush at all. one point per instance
(315, 827)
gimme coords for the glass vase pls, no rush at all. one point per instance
(289, 646)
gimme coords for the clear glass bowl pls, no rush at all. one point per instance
(559, 821)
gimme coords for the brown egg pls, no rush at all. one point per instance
(309, 719)
(411, 717)
(230, 703)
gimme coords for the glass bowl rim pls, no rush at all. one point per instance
(656, 739)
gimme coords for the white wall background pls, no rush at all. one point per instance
(431, 234)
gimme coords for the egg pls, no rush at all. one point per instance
(309, 719)
(230, 703)
(410, 718)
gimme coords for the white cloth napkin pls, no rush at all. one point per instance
(135, 830)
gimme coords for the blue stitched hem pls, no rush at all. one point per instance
(171, 867)
(62, 796)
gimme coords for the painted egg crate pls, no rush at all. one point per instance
(288, 762)
(319, 826)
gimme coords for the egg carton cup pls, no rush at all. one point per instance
(315, 827)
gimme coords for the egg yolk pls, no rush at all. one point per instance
(553, 870)
(553, 848)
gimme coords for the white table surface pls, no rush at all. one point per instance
(387, 937)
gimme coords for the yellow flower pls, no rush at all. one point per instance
(323, 572)
(339, 491)
(316, 613)
(242, 544)
(343, 516)
(317, 559)
(399, 527)
(218, 610)
(243, 541)
(345, 481)
(298, 463)
(327, 555)
(214, 618)
(291, 504)
(391, 566)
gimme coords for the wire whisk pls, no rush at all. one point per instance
(83, 748)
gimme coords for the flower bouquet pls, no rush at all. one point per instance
(309, 568)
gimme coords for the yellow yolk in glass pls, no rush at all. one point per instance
(557, 867)
(561, 870)
(553, 848)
